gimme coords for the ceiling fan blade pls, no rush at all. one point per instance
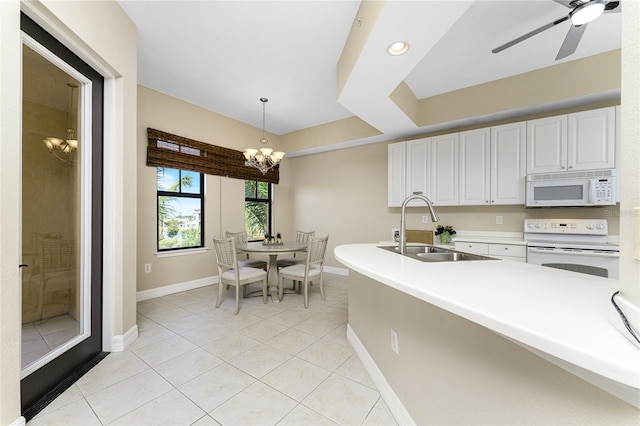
(529, 34)
(571, 41)
(613, 7)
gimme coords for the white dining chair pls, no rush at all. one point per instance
(56, 282)
(302, 237)
(310, 270)
(230, 273)
(243, 258)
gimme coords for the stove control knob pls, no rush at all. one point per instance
(599, 226)
(590, 226)
(538, 225)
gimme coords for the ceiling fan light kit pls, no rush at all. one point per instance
(587, 12)
(582, 12)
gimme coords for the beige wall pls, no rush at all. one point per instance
(630, 161)
(10, 57)
(224, 197)
(452, 371)
(81, 25)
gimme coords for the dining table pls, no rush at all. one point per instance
(273, 250)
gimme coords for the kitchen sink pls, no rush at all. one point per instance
(428, 253)
(418, 250)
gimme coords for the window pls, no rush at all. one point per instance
(180, 209)
(257, 209)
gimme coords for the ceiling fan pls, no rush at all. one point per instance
(582, 12)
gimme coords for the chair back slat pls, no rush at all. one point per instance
(56, 255)
(239, 237)
(303, 237)
(225, 249)
(316, 249)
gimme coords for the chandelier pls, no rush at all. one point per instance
(65, 149)
(264, 158)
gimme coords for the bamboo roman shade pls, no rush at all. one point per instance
(176, 152)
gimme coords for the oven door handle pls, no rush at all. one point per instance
(593, 253)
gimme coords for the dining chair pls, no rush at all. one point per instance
(230, 273)
(56, 281)
(308, 271)
(241, 238)
(303, 238)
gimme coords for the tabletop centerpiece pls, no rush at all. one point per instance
(270, 240)
(445, 233)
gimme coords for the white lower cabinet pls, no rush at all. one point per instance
(514, 252)
(473, 248)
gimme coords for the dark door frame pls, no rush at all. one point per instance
(43, 385)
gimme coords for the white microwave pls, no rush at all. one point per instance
(585, 189)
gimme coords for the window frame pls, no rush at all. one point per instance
(255, 199)
(179, 194)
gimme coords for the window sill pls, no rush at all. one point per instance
(186, 252)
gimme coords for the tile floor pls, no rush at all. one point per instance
(40, 337)
(196, 365)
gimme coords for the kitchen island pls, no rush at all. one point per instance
(489, 341)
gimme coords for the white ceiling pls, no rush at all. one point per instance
(225, 55)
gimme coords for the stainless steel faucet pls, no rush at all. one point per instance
(403, 231)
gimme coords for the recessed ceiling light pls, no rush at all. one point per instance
(398, 48)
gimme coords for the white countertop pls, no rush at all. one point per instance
(561, 314)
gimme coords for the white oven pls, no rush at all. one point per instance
(578, 245)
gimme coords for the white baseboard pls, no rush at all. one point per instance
(20, 421)
(121, 342)
(175, 288)
(396, 407)
(336, 270)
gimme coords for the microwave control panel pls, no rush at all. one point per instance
(603, 191)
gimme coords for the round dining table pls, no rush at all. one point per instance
(272, 250)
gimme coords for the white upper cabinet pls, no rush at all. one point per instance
(492, 165)
(418, 155)
(444, 170)
(508, 163)
(396, 169)
(475, 167)
(547, 145)
(579, 141)
(591, 137)
(489, 165)
(408, 171)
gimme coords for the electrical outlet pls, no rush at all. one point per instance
(499, 220)
(147, 268)
(425, 219)
(394, 341)
(395, 234)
